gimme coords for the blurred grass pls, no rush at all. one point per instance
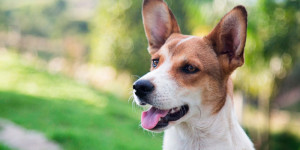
(72, 114)
(4, 147)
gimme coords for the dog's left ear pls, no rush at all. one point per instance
(228, 39)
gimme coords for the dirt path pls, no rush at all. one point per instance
(19, 138)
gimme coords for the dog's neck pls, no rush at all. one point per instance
(218, 131)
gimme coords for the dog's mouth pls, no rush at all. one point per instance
(155, 118)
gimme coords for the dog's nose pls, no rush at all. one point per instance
(143, 88)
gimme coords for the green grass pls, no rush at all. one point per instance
(70, 113)
(4, 147)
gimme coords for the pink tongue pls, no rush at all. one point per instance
(151, 117)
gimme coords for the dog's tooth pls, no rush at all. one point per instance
(173, 110)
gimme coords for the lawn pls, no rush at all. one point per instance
(4, 147)
(73, 114)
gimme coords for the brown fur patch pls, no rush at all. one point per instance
(197, 52)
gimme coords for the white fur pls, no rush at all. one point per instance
(184, 40)
(219, 132)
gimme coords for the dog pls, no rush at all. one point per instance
(189, 89)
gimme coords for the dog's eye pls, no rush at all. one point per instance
(189, 69)
(155, 63)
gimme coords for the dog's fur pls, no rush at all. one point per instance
(210, 123)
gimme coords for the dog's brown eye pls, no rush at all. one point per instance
(155, 63)
(189, 69)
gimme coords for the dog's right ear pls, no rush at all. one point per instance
(159, 23)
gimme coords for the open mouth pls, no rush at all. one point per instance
(155, 118)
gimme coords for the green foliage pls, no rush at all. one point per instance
(284, 140)
(117, 37)
(43, 19)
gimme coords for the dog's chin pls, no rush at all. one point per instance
(167, 118)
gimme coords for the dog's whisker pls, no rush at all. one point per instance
(153, 135)
(130, 98)
(133, 104)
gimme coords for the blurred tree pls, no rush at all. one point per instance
(117, 35)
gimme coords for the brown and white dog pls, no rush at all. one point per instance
(189, 87)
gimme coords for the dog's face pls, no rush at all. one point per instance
(188, 74)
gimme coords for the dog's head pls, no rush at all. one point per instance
(188, 74)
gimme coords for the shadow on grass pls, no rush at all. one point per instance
(75, 124)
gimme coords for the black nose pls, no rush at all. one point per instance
(143, 88)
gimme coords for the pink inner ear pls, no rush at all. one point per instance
(236, 38)
(159, 22)
(159, 28)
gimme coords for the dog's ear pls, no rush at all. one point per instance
(228, 39)
(159, 23)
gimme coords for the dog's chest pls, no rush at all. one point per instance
(173, 140)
